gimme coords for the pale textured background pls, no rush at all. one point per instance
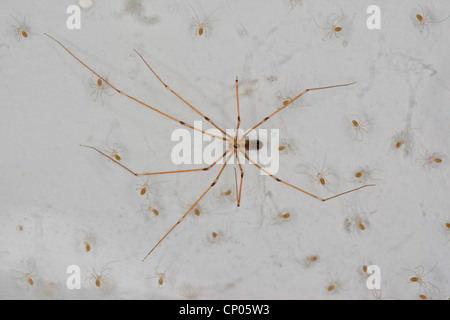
(54, 188)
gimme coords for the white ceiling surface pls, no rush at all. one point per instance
(54, 188)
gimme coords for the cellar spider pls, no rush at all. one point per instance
(225, 194)
(100, 281)
(22, 30)
(423, 20)
(357, 125)
(419, 274)
(434, 160)
(332, 26)
(150, 210)
(308, 261)
(356, 220)
(98, 88)
(161, 275)
(201, 25)
(28, 277)
(402, 139)
(321, 175)
(88, 240)
(145, 188)
(280, 217)
(237, 145)
(335, 283)
(218, 236)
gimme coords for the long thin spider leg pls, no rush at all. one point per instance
(297, 188)
(235, 180)
(287, 104)
(238, 111)
(132, 98)
(190, 209)
(324, 28)
(179, 97)
(241, 180)
(440, 20)
(198, 19)
(154, 173)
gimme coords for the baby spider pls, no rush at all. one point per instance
(308, 261)
(355, 220)
(419, 274)
(201, 26)
(320, 175)
(22, 30)
(428, 294)
(286, 98)
(281, 217)
(294, 3)
(162, 276)
(357, 125)
(332, 26)
(335, 284)
(434, 160)
(402, 139)
(145, 188)
(189, 291)
(150, 210)
(88, 241)
(100, 281)
(198, 209)
(218, 236)
(224, 194)
(28, 277)
(287, 145)
(50, 292)
(378, 295)
(98, 88)
(364, 271)
(361, 175)
(423, 20)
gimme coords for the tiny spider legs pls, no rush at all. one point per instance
(236, 145)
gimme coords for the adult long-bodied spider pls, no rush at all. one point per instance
(237, 145)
